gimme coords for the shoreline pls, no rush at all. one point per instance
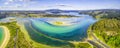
(6, 37)
(35, 44)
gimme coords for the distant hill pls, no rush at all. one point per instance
(55, 11)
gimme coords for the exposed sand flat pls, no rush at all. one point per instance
(7, 37)
(60, 23)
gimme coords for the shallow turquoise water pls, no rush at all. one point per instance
(46, 27)
(70, 32)
(1, 35)
(43, 31)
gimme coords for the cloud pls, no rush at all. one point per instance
(62, 5)
(16, 2)
(6, 3)
(59, 5)
(15, 6)
(25, 0)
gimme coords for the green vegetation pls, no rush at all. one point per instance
(100, 14)
(17, 38)
(108, 30)
(32, 15)
(49, 15)
(83, 45)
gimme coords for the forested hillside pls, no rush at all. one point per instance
(105, 13)
(108, 31)
(107, 28)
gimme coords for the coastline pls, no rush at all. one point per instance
(7, 37)
(35, 44)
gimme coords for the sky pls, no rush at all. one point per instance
(59, 4)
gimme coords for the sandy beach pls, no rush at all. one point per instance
(7, 37)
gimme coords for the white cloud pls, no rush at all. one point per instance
(16, 4)
(21, 0)
(63, 5)
(59, 5)
(24, 0)
(6, 3)
(10, 0)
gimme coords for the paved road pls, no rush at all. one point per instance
(97, 40)
(95, 44)
(106, 46)
(15, 38)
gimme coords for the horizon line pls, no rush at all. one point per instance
(47, 9)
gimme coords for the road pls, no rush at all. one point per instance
(106, 46)
(96, 42)
(15, 38)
